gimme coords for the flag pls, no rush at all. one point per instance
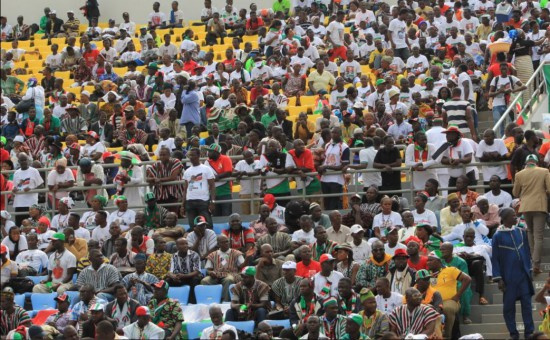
(321, 102)
(546, 70)
(523, 116)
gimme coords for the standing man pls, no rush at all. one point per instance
(199, 190)
(26, 178)
(459, 112)
(337, 156)
(512, 271)
(532, 185)
(222, 167)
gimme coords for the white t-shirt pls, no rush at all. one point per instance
(398, 29)
(54, 178)
(157, 18)
(366, 156)
(320, 282)
(499, 170)
(109, 55)
(44, 239)
(469, 25)
(101, 234)
(350, 70)
(60, 222)
(247, 185)
(465, 77)
(503, 83)
(388, 305)
(35, 258)
(197, 182)
(300, 235)
(305, 62)
(124, 219)
(362, 252)
(22, 179)
(168, 143)
(418, 64)
(503, 200)
(391, 251)
(54, 61)
(385, 222)
(82, 233)
(88, 150)
(336, 31)
(459, 152)
(427, 217)
(59, 265)
(22, 243)
(188, 45)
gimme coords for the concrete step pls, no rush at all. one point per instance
(493, 309)
(496, 318)
(484, 328)
(494, 336)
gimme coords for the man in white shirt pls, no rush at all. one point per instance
(168, 48)
(218, 326)
(33, 261)
(501, 89)
(386, 300)
(249, 187)
(25, 179)
(336, 158)
(157, 19)
(398, 35)
(366, 160)
(335, 31)
(361, 248)
(304, 235)
(199, 192)
(491, 149)
(127, 25)
(326, 281)
(143, 328)
(496, 195)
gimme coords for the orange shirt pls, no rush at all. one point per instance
(307, 271)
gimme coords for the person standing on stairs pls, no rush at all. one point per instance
(512, 270)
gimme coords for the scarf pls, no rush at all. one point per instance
(417, 150)
(353, 301)
(387, 258)
(123, 316)
(307, 308)
(368, 322)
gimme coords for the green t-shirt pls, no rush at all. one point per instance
(267, 119)
(54, 123)
(283, 6)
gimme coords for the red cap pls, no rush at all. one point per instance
(269, 200)
(3, 249)
(142, 310)
(107, 154)
(326, 257)
(452, 128)
(44, 220)
(400, 252)
(93, 134)
(62, 297)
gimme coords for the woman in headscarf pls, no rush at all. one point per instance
(15, 242)
(36, 92)
(61, 220)
(98, 203)
(82, 74)
(35, 212)
(124, 216)
(58, 179)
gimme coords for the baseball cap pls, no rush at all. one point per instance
(289, 265)
(142, 311)
(58, 236)
(452, 128)
(393, 93)
(149, 196)
(423, 274)
(249, 270)
(215, 147)
(97, 307)
(358, 319)
(380, 82)
(93, 134)
(400, 252)
(435, 254)
(162, 284)
(200, 220)
(325, 258)
(107, 154)
(427, 79)
(356, 228)
(531, 159)
(269, 200)
(85, 93)
(62, 298)
(358, 105)
(19, 139)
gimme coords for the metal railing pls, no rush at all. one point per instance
(354, 186)
(538, 82)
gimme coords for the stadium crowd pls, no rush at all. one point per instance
(122, 144)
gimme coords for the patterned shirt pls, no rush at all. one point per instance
(372, 270)
(106, 276)
(279, 241)
(160, 170)
(82, 307)
(159, 264)
(138, 291)
(168, 312)
(60, 320)
(185, 264)
(9, 322)
(239, 239)
(334, 329)
(404, 321)
(286, 292)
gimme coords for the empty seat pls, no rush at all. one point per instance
(245, 326)
(72, 296)
(20, 300)
(194, 329)
(179, 293)
(43, 301)
(283, 323)
(208, 294)
(218, 227)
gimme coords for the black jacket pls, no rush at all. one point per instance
(210, 139)
(108, 131)
(57, 26)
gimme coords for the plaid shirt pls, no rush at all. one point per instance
(185, 264)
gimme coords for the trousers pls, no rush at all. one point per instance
(260, 315)
(42, 288)
(332, 203)
(194, 208)
(536, 220)
(509, 313)
(450, 310)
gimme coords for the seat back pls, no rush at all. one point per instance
(41, 301)
(179, 293)
(72, 295)
(218, 227)
(20, 300)
(245, 326)
(283, 323)
(208, 294)
(36, 279)
(194, 329)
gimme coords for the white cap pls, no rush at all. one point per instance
(85, 93)
(19, 139)
(356, 228)
(289, 265)
(53, 11)
(70, 11)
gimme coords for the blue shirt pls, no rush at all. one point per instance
(191, 108)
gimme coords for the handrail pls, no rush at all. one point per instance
(527, 107)
(300, 193)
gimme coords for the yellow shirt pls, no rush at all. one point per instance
(423, 12)
(483, 31)
(321, 81)
(374, 54)
(446, 282)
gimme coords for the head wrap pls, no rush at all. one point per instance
(38, 207)
(330, 301)
(68, 201)
(102, 200)
(119, 199)
(365, 293)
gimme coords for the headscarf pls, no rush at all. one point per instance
(102, 200)
(68, 201)
(38, 207)
(119, 199)
(61, 162)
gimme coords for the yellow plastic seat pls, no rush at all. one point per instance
(41, 42)
(35, 63)
(59, 41)
(308, 100)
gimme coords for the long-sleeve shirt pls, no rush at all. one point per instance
(191, 108)
(8, 85)
(479, 227)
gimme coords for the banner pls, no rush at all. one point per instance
(546, 71)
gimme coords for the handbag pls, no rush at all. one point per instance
(25, 105)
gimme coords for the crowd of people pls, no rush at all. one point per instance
(122, 152)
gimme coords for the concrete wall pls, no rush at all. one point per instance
(139, 10)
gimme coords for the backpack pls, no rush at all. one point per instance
(21, 285)
(506, 96)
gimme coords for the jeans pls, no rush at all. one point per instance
(498, 111)
(188, 127)
(332, 203)
(260, 315)
(402, 53)
(194, 208)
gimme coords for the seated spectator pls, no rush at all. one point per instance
(139, 284)
(242, 238)
(98, 315)
(465, 195)
(166, 312)
(361, 248)
(322, 244)
(218, 326)
(143, 327)
(158, 263)
(102, 276)
(185, 268)
(488, 213)
(430, 296)
(401, 276)
(386, 299)
(279, 241)
(122, 309)
(60, 319)
(304, 306)
(416, 261)
(202, 239)
(474, 254)
(223, 266)
(16, 315)
(305, 235)
(251, 293)
(9, 268)
(385, 219)
(307, 267)
(497, 196)
(81, 311)
(318, 217)
(286, 288)
(77, 246)
(334, 324)
(85, 260)
(276, 211)
(326, 281)
(407, 320)
(268, 268)
(138, 242)
(450, 215)
(420, 213)
(393, 245)
(61, 267)
(348, 300)
(479, 227)
(15, 242)
(122, 257)
(375, 267)
(346, 264)
(32, 262)
(375, 322)
(355, 216)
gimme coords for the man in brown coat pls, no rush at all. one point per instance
(531, 186)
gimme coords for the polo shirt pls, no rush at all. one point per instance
(446, 282)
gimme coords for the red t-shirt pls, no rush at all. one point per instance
(252, 26)
(189, 67)
(422, 263)
(254, 94)
(304, 271)
(495, 67)
(90, 57)
(229, 65)
(304, 161)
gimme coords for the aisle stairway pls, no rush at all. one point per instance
(488, 320)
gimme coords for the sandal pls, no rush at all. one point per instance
(483, 301)
(537, 271)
